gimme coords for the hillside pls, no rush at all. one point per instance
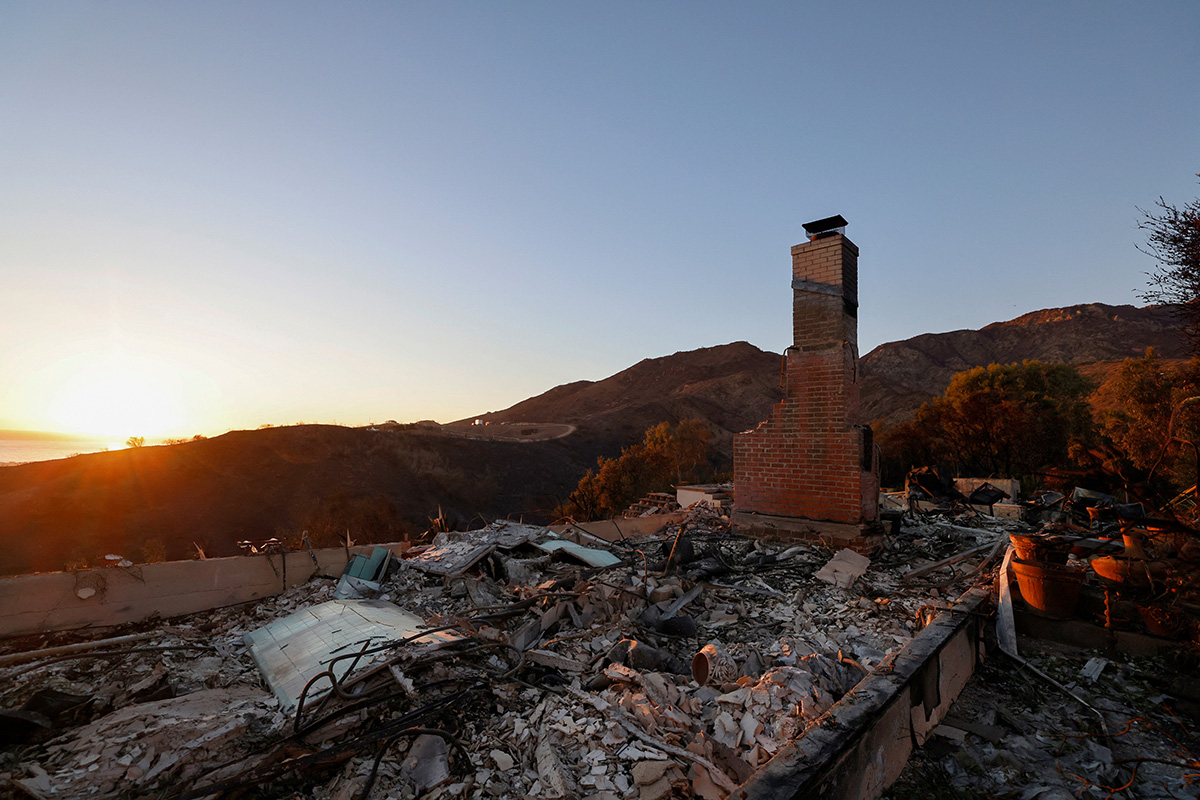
(731, 386)
(379, 483)
(326, 479)
(897, 377)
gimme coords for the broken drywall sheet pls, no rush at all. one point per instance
(452, 558)
(292, 650)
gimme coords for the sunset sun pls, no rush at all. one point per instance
(112, 401)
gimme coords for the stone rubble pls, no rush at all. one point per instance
(570, 681)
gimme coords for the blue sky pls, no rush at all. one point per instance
(244, 213)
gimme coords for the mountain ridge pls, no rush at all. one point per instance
(728, 385)
(898, 376)
(734, 385)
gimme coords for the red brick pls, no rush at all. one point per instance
(804, 460)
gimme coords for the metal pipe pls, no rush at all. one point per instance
(33, 655)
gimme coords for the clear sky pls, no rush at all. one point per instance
(218, 215)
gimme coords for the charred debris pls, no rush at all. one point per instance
(509, 662)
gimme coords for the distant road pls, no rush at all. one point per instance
(512, 431)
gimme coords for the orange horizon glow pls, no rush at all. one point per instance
(115, 397)
(140, 386)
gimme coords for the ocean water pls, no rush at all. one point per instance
(23, 450)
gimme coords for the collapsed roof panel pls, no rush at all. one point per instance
(293, 650)
(591, 556)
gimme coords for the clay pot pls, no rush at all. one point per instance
(1025, 546)
(1129, 572)
(713, 665)
(1049, 590)
(1037, 548)
(1164, 621)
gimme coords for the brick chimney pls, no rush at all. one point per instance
(809, 470)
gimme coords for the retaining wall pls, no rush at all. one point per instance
(51, 601)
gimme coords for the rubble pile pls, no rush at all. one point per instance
(1009, 736)
(650, 667)
(1058, 721)
(133, 747)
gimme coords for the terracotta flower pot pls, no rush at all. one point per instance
(1048, 589)
(1041, 549)
(712, 665)
(1131, 572)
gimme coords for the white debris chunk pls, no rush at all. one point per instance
(1092, 669)
(844, 568)
(503, 760)
(550, 771)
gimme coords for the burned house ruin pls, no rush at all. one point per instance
(658, 656)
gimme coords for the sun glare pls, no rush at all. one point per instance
(115, 400)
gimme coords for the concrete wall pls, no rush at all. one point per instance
(690, 495)
(52, 601)
(1010, 485)
(859, 746)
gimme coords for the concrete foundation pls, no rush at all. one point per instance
(861, 537)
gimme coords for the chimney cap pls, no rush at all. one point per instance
(835, 224)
